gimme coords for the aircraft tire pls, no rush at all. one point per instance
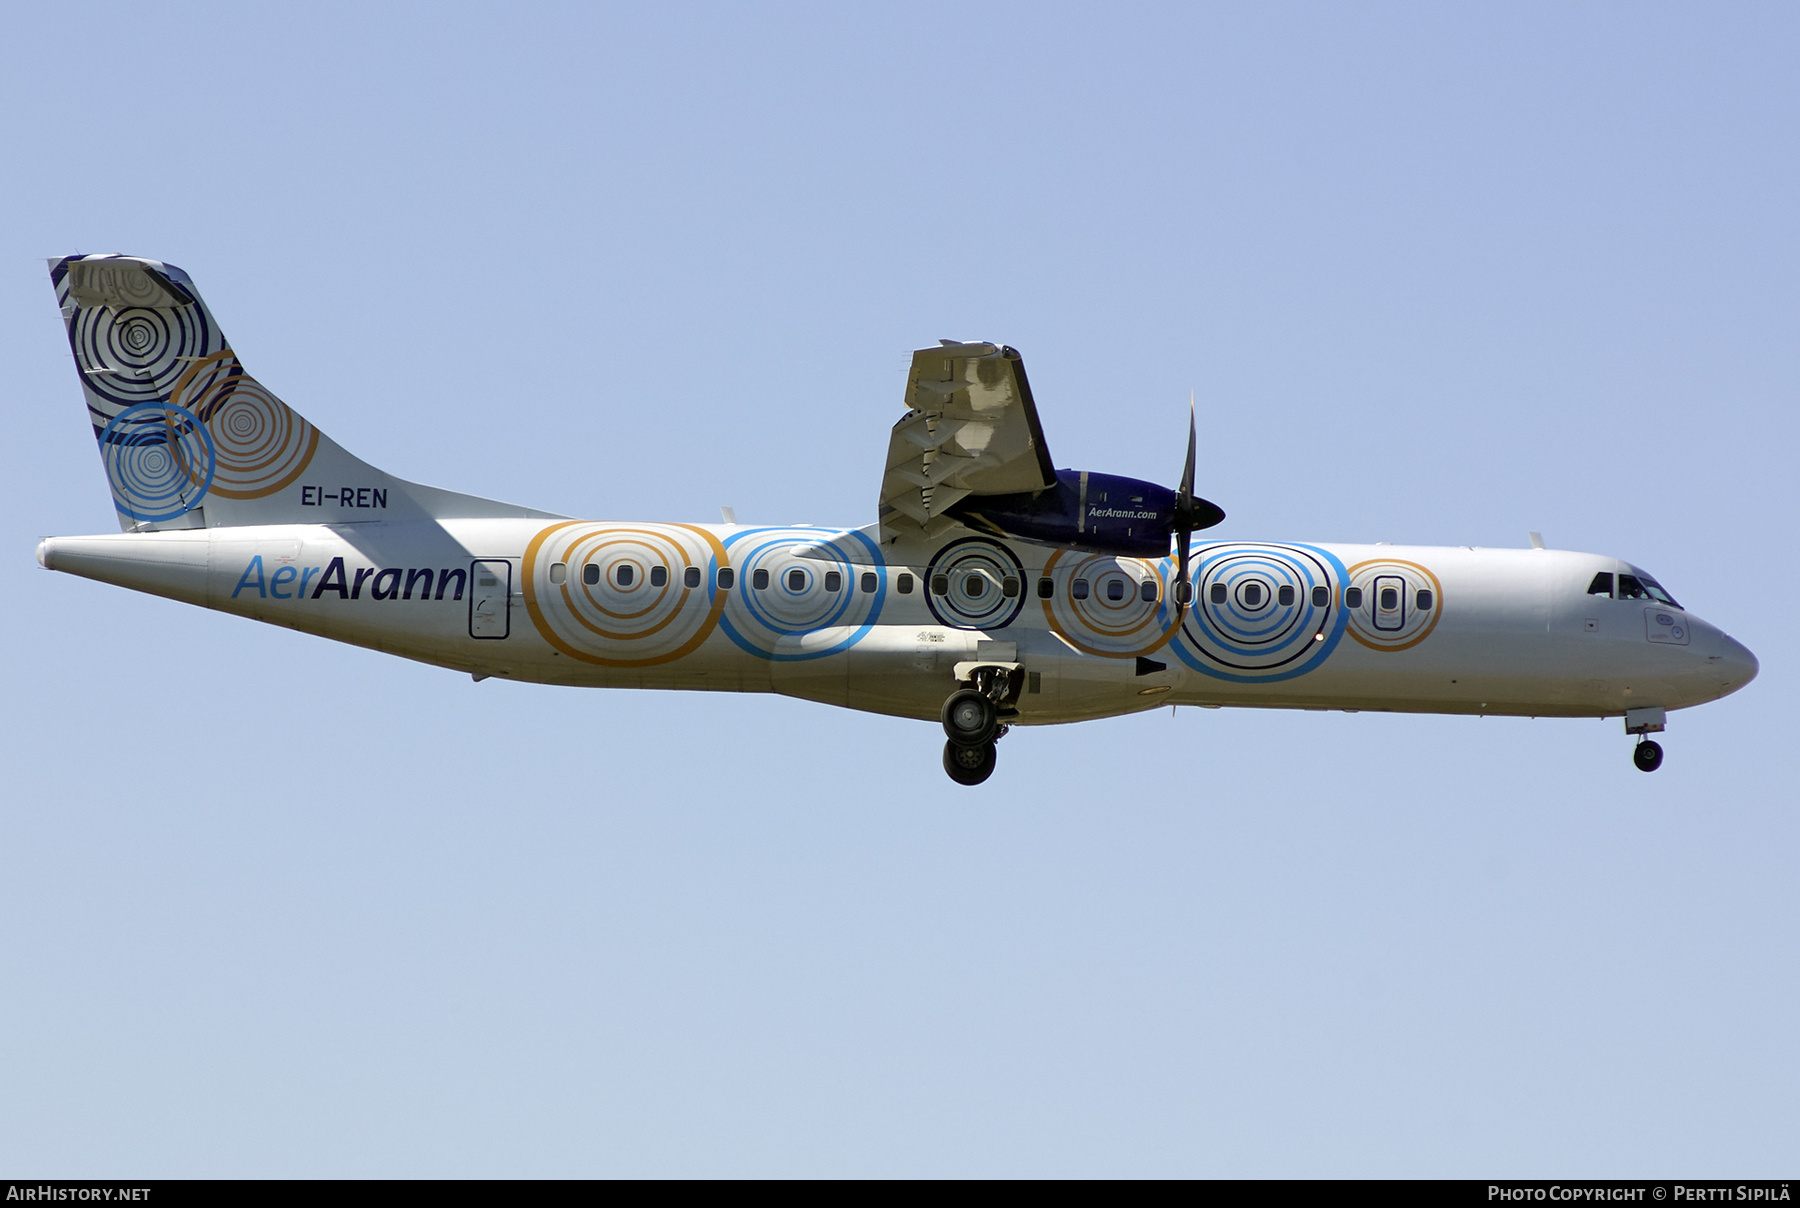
(970, 718)
(968, 765)
(1647, 755)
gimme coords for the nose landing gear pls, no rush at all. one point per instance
(1647, 755)
(972, 724)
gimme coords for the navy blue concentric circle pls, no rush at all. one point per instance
(135, 355)
(975, 570)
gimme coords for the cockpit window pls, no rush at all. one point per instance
(1643, 587)
(1656, 591)
(1602, 584)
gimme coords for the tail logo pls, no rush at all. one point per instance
(176, 415)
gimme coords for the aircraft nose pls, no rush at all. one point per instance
(1737, 664)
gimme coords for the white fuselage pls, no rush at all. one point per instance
(830, 615)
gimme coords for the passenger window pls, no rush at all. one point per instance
(1390, 599)
(1147, 591)
(1115, 589)
(659, 576)
(796, 580)
(691, 576)
(833, 581)
(1284, 596)
(1079, 589)
(869, 582)
(940, 585)
(1602, 584)
(1046, 588)
(559, 572)
(590, 574)
(759, 579)
(1253, 595)
(623, 574)
(1009, 587)
(903, 583)
(1353, 597)
(727, 578)
(974, 585)
(1321, 596)
(1217, 593)
(1426, 599)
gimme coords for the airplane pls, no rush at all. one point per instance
(993, 590)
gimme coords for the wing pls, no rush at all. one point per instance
(971, 428)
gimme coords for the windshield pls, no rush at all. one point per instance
(1642, 587)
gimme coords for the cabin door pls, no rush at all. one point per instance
(1390, 602)
(490, 598)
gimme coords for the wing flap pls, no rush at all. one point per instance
(971, 428)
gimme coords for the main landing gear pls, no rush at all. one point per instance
(972, 726)
(1647, 755)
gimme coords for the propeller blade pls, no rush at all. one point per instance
(1184, 519)
(1186, 490)
(1184, 590)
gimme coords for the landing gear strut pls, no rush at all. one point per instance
(972, 726)
(1647, 755)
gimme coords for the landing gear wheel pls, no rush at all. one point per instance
(970, 719)
(1647, 755)
(969, 765)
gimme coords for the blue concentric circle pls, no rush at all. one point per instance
(159, 460)
(1257, 616)
(796, 599)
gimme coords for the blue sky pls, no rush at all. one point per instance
(1437, 274)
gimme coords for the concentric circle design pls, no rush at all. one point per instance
(262, 444)
(1127, 627)
(135, 355)
(159, 460)
(1389, 617)
(1242, 625)
(797, 598)
(623, 620)
(977, 570)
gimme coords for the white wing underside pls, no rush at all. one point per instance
(971, 428)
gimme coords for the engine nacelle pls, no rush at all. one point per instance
(1098, 513)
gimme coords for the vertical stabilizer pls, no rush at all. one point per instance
(191, 440)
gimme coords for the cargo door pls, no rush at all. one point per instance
(490, 598)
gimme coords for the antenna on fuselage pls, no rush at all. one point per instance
(1537, 539)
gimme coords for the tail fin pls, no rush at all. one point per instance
(188, 438)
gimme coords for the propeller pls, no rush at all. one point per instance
(1184, 519)
(1190, 514)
